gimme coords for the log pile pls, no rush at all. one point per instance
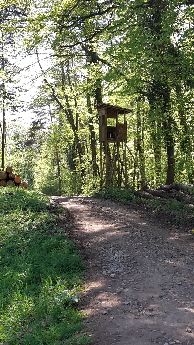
(8, 178)
(179, 192)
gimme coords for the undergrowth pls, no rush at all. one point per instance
(40, 274)
(118, 194)
(167, 211)
(172, 212)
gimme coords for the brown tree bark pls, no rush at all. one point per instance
(95, 168)
(140, 145)
(159, 93)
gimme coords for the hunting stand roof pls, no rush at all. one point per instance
(113, 109)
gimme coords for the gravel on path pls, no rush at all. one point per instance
(139, 284)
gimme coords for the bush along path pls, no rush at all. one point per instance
(139, 284)
(40, 273)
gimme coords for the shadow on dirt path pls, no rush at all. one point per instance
(139, 286)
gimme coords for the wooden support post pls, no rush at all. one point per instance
(125, 158)
(101, 166)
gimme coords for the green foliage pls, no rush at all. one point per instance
(128, 53)
(170, 212)
(118, 194)
(41, 273)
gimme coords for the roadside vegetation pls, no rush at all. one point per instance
(40, 273)
(167, 211)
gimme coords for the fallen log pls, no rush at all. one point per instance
(10, 183)
(9, 169)
(169, 192)
(24, 184)
(177, 187)
(186, 187)
(168, 187)
(144, 195)
(17, 180)
(8, 178)
(172, 194)
(11, 176)
(3, 183)
(159, 193)
(3, 175)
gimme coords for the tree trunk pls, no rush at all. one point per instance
(68, 112)
(3, 175)
(171, 160)
(92, 138)
(159, 93)
(168, 135)
(3, 107)
(3, 138)
(140, 146)
(59, 172)
(185, 134)
(156, 135)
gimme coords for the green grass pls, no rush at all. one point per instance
(173, 212)
(118, 194)
(40, 274)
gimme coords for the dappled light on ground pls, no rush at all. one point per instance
(139, 284)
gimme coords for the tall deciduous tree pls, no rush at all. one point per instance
(150, 63)
(121, 51)
(9, 15)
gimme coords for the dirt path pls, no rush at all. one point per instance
(139, 288)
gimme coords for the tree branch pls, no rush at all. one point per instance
(77, 20)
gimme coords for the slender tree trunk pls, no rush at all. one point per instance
(57, 156)
(68, 112)
(92, 138)
(3, 137)
(171, 162)
(70, 118)
(159, 93)
(168, 133)
(92, 58)
(3, 108)
(59, 172)
(140, 146)
(98, 92)
(186, 145)
(135, 166)
(156, 136)
(163, 128)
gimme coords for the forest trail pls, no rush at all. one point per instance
(139, 285)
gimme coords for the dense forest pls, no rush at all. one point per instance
(135, 54)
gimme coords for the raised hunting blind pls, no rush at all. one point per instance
(113, 138)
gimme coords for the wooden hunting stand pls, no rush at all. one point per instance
(113, 138)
